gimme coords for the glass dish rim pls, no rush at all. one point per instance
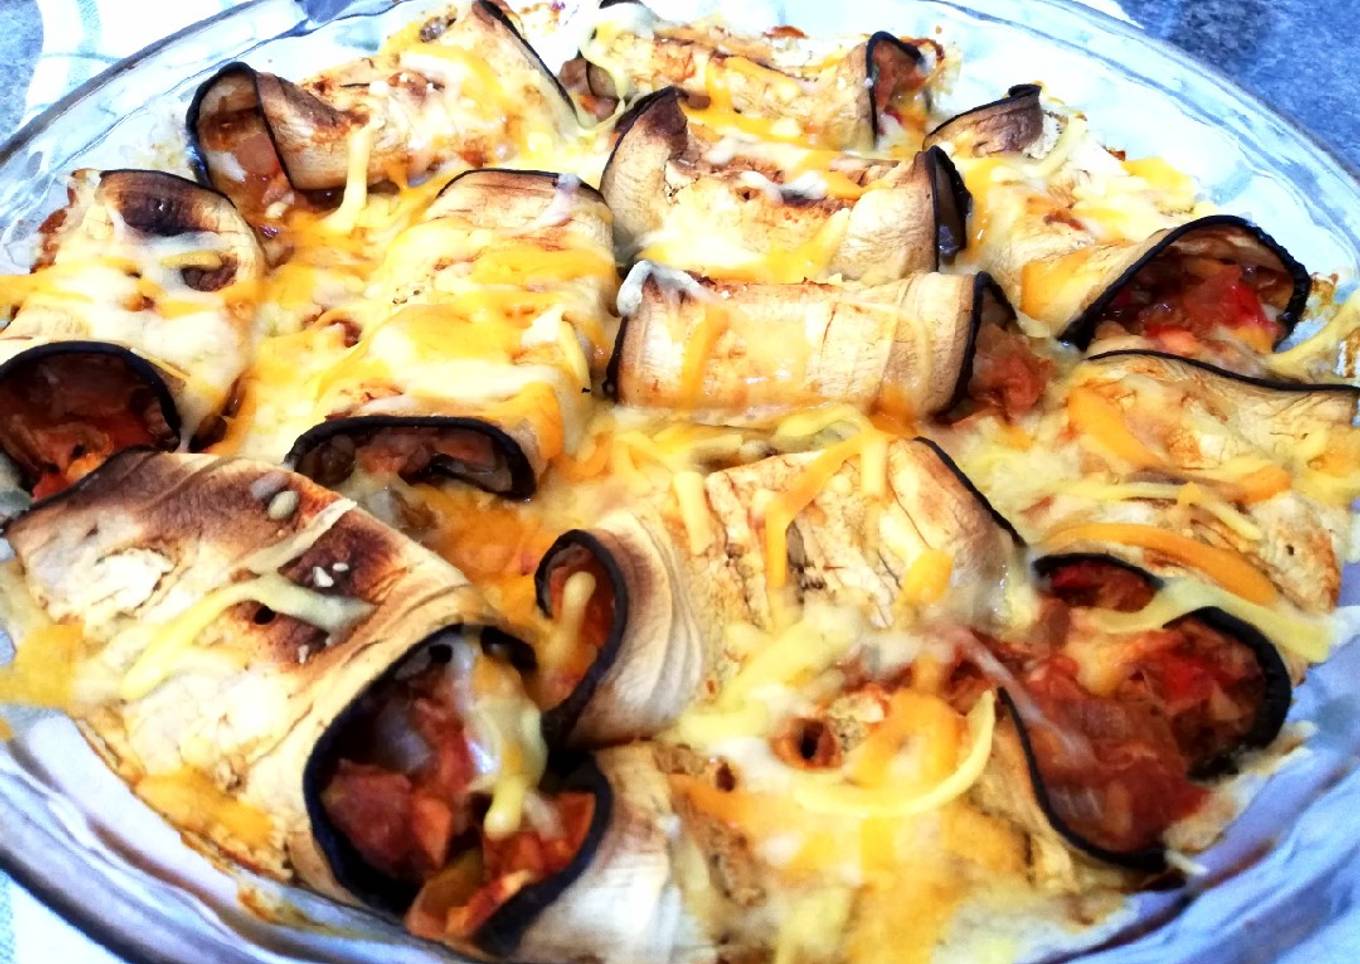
(122, 941)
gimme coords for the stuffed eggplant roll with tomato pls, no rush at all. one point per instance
(300, 689)
(1120, 723)
(754, 211)
(640, 601)
(463, 88)
(132, 328)
(733, 352)
(778, 85)
(476, 358)
(1191, 468)
(1103, 250)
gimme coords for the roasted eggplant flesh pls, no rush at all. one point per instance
(405, 792)
(577, 589)
(1008, 125)
(415, 450)
(62, 414)
(1116, 751)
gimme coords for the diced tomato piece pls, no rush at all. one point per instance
(372, 808)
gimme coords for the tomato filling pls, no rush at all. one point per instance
(1008, 376)
(580, 631)
(64, 415)
(410, 453)
(404, 793)
(1180, 303)
(1117, 765)
(242, 135)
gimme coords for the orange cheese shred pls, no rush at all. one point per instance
(1229, 569)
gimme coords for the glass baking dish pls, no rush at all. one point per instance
(77, 837)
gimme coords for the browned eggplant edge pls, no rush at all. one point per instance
(522, 483)
(559, 720)
(1082, 329)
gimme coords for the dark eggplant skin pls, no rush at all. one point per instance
(1270, 716)
(520, 483)
(553, 176)
(986, 293)
(144, 371)
(560, 719)
(501, 932)
(968, 484)
(1273, 384)
(951, 203)
(1082, 329)
(1018, 120)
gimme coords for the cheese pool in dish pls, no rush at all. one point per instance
(703, 505)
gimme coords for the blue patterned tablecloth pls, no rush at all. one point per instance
(1297, 55)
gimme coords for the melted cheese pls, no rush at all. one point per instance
(561, 651)
(1225, 567)
(1306, 636)
(170, 642)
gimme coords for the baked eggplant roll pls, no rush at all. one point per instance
(742, 352)
(1097, 248)
(1245, 481)
(132, 328)
(774, 86)
(640, 601)
(462, 88)
(770, 212)
(1113, 737)
(299, 688)
(493, 315)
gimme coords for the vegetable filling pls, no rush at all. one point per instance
(416, 787)
(62, 416)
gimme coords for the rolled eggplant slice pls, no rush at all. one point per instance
(416, 448)
(1279, 516)
(513, 245)
(1218, 279)
(476, 355)
(133, 327)
(640, 601)
(875, 90)
(728, 351)
(1116, 754)
(783, 214)
(1009, 125)
(443, 96)
(302, 690)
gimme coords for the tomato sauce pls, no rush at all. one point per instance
(402, 794)
(1008, 377)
